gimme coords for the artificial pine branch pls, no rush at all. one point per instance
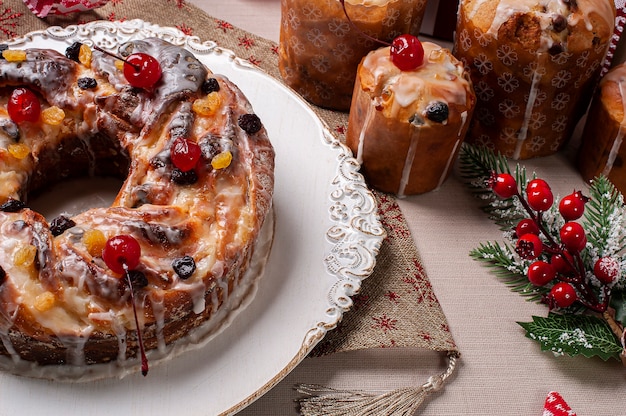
(604, 222)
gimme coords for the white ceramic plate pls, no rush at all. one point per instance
(326, 239)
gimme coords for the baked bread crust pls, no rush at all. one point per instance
(65, 307)
(602, 151)
(320, 50)
(403, 150)
(533, 67)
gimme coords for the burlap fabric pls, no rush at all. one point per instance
(396, 306)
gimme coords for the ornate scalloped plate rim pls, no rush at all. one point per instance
(355, 234)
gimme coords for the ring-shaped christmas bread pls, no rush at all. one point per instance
(196, 219)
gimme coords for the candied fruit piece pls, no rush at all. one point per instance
(119, 64)
(84, 55)
(94, 241)
(208, 105)
(25, 256)
(250, 123)
(14, 55)
(44, 301)
(18, 150)
(210, 85)
(53, 115)
(222, 160)
(73, 50)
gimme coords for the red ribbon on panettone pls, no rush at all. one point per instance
(556, 406)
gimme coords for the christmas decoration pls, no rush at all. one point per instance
(567, 253)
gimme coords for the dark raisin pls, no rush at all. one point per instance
(210, 85)
(60, 224)
(250, 123)
(555, 49)
(3, 47)
(137, 279)
(559, 24)
(3, 275)
(12, 205)
(437, 111)
(184, 178)
(87, 83)
(184, 267)
(73, 50)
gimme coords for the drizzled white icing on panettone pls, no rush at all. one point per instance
(546, 11)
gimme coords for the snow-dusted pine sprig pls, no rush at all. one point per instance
(591, 292)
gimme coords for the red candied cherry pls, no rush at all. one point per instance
(540, 273)
(540, 197)
(142, 70)
(503, 185)
(526, 226)
(529, 246)
(573, 236)
(562, 295)
(606, 269)
(185, 154)
(407, 52)
(563, 263)
(23, 105)
(121, 253)
(572, 206)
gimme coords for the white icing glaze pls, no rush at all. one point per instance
(546, 11)
(438, 78)
(198, 338)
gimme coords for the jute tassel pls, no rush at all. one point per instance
(325, 401)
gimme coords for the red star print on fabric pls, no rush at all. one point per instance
(246, 42)
(185, 29)
(224, 26)
(385, 323)
(393, 296)
(9, 20)
(254, 61)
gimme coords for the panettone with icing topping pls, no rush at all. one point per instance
(406, 127)
(62, 310)
(534, 64)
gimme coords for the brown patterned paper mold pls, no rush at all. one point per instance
(320, 50)
(602, 151)
(406, 126)
(534, 64)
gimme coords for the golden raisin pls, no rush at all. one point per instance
(53, 115)
(14, 55)
(18, 150)
(208, 105)
(222, 160)
(25, 256)
(44, 301)
(94, 241)
(84, 55)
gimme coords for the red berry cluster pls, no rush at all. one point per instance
(553, 262)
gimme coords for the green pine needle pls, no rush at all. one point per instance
(574, 335)
(574, 332)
